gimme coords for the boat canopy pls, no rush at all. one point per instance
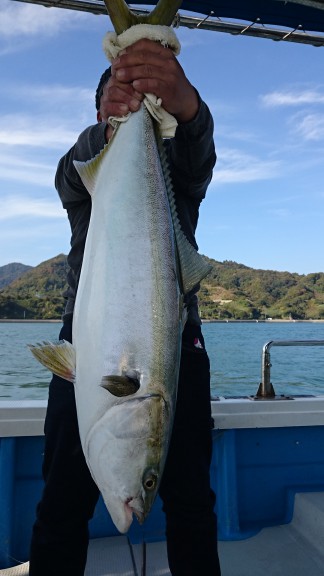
(289, 20)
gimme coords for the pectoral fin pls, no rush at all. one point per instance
(121, 385)
(58, 357)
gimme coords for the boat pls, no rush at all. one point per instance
(267, 470)
(268, 450)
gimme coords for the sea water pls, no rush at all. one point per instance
(235, 351)
(234, 348)
(21, 376)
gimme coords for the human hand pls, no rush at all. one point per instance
(117, 100)
(148, 67)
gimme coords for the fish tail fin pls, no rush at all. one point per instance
(58, 357)
(122, 18)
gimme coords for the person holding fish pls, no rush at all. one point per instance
(60, 534)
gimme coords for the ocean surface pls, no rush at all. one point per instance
(234, 349)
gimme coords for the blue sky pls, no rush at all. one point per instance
(265, 205)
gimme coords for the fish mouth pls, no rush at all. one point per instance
(136, 506)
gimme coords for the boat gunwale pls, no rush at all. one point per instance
(26, 417)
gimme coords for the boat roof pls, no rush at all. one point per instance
(302, 20)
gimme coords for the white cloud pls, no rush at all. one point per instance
(21, 206)
(292, 98)
(234, 166)
(48, 93)
(31, 143)
(219, 108)
(24, 20)
(232, 132)
(309, 126)
(28, 174)
(32, 240)
(275, 201)
(18, 167)
(191, 38)
(50, 114)
(22, 25)
(27, 131)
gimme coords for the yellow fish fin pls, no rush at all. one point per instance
(58, 357)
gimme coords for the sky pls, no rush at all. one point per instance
(265, 205)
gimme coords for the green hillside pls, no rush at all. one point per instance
(231, 290)
(236, 291)
(38, 293)
(11, 272)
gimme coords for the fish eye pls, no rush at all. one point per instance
(150, 483)
(150, 480)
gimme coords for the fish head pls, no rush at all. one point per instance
(125, 451)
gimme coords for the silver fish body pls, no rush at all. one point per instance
(128, 319)
(128, 322)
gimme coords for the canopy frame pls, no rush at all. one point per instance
(213, 22)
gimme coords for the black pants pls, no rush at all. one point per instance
(60, 534)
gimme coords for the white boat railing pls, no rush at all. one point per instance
(266, 390)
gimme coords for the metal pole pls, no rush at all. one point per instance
(266, 390)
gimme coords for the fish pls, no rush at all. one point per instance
(128, 318)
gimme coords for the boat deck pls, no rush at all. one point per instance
(293, 549)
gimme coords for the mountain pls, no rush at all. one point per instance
(38, 293)
(11, 272)
(231, 290)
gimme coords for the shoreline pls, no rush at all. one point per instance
(204, 321)
(266, 321)
(27, 321)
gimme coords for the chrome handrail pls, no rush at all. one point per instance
(266, 390)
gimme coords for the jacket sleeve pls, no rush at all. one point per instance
(67, 180)
(192, 154)
(192, 158)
